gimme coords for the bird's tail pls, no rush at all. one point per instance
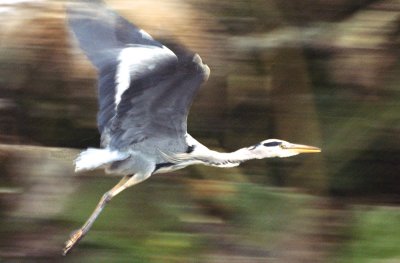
(94, 158)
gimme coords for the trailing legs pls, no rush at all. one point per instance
(126, 181)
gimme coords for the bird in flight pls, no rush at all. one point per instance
(145, 90)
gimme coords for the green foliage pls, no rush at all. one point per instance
(375, 237)
(156, 220)
(263, 214)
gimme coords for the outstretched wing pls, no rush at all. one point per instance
(157, 106)
(145, 89)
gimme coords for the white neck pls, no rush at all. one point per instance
(205, 156)
(214, 158)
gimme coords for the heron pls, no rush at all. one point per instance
(145, 90)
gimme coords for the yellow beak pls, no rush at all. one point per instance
(300, 148)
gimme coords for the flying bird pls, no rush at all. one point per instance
(145, 90)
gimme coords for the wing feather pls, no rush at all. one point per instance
(158, 106)
(145, 89)
(116, 48)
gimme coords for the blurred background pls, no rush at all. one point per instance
(323, 73)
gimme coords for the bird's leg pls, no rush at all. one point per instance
(80, 233)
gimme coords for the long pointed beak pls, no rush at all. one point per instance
(300, 148)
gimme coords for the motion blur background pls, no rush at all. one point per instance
(317, 72)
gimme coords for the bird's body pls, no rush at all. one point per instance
(145, 92)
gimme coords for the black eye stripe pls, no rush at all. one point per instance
(271, 144)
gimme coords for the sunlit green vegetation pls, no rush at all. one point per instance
(375, 236)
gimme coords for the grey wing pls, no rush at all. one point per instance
(154, 109)
(104, 35)
(145, 89)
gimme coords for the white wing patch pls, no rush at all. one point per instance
(145, 34)
(136, 60)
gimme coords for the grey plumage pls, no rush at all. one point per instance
(156, 85)
(102, 35)
(145, 92)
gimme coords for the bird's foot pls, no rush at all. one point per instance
(72, 241)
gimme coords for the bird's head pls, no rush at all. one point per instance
(279, 148)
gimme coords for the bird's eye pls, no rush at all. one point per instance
(272, 144)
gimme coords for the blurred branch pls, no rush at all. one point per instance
(287, 37)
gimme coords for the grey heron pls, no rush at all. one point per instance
(145, 92)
